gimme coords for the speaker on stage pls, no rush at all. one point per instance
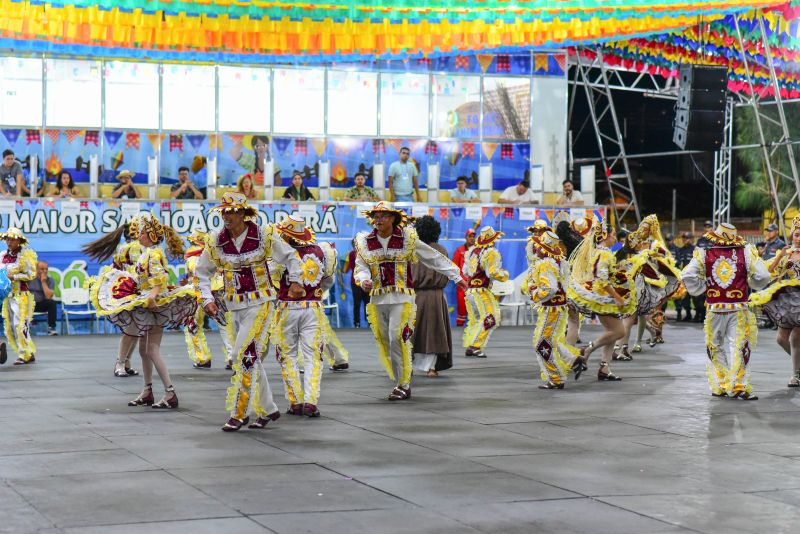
(700, 110)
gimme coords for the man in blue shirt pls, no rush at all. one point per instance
(403, 181)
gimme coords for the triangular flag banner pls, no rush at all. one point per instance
(132, 140)
(300, 146)
(457, 212)
(484, 212)
(397, 144)
(462, 62)
(540, 62)
(53, 135)
(497, 211)
(454, 155)
(72, 135)
(176, 142)
(91, 136)
(467, 150)
(281, 143)
(378, 146)
(196, 140)
(509, 214)
(214, 142)
(443, 213)
(506, 151)
(11, 134)
(489, 149)
(155, 139)
(33, 136)
(503, 63)
(524, 150)
(112, 137)
(319, 146)
(484, 60)
(236, 138)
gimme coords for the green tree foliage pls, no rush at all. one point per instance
(752, 191)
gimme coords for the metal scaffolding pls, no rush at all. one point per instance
(769, 144)
(594, 77)
(722, 171)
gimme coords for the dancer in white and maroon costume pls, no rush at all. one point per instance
(382, 268)
(299, 327)
(241, 251)
(19, 261)
(725, 272)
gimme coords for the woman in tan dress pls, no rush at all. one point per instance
(433, 345)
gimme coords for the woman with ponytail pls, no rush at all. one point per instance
(598, 287)
(142, 304)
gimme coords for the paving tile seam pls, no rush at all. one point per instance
(12, 455)
(8, 483)
(207, 494)
(640, 514)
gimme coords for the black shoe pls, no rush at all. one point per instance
(3, 353)
(340, 367)
(205, 365)
(357, 325)
(229, 366)
(687, 319)
(698, 319)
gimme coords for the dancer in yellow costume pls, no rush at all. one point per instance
(241, 250)
(482, 265)
(142, 303)
(725, 272)
(300, 323)
(383, 258)
(781, 300)
(124, 257)
(598, 286)
(19, 261)
(547, 277)
(194, 333)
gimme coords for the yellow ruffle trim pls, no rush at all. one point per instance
(765, 295)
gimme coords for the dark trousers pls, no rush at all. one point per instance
(699, 306)
(359, 296)
(48, 306)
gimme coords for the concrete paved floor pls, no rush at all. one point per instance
(479, 449)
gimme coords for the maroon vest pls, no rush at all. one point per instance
(313, 291)
(726, 275)
(480, 278)
(245, 275)
(387, 270)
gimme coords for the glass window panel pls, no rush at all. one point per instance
(352, 103)
(404, 104)
(299, 101)
(456, 106)
(189, 101)
(73, 93)
(21, 91)
(506, 107)
(131, 95)
(243, 99)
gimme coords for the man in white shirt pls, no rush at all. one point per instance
(383, 261)
(404, 179)
(518, 194)
(461, 194)
(570, 197)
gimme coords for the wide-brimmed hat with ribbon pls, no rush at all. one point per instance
(232, 201)
(13, 233)
(294, 228)
(547, 245)
(539, 225)
(582, 225)
(197, 238)
(725, 234)
(401, 219)
(487, 236)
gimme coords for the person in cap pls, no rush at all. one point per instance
(300, 322)
(546, 280)
(141, 303)
(458, 258)
(599, 286)
(124, 257)
(682, 259)
(19, 262)
(125, 188)
(194, 334)
(725, 272)
(780, 301)
(482, 266)
(773, 242)
(241, 251)
(383, 259)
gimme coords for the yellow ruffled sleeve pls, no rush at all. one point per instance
(604, 262)
(154, 273)
(25, 269)
(546, 277)
(492, 264)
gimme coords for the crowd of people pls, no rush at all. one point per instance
(264, 286)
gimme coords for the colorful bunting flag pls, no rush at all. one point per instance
(300, 147)
(33, 136)
(215, 142)
(462, 62)
(467, 149)
(319, 146)
(72, 135)
(176, 142)
(156, 139)
(53, 135)
(431, 148)
(503, 63)
(132, 140)
(196, 140)
(11, 134)
(489, 149)
(378, 146)
(281, 144)
(506, 151)
(91, 136)
(484, 60)
(524, 150)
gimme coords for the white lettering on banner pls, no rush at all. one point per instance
(110, 221)
(473, 213)
(53, 222)
(7, 207)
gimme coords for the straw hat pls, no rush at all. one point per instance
(295, 228)
(539, 225)
(14, 233)
(197, 238)
(582, 225)
(725, 234)
(125, 174)
(487, 237)
(232, 202)
(547, 245)
(401, 219)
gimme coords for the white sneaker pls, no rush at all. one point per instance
(52, 332)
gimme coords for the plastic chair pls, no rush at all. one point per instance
(329, 303)
(506, 289)
(77, 299)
